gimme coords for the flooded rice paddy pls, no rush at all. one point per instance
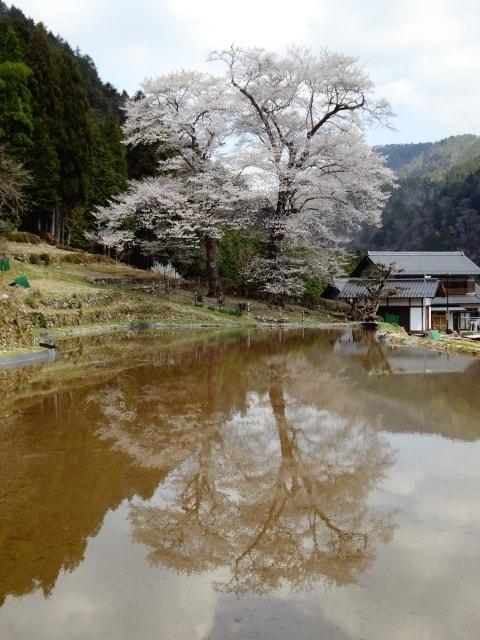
(276, 485)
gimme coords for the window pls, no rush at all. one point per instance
(439, 320)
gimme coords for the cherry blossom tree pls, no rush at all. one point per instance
(300, 122)
(195, 197)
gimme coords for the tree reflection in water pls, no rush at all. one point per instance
(262, 478)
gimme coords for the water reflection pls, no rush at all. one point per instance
(255, 453)
(379, 360)
(276, 493)
(253, 472)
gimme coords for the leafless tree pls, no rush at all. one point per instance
(377, 285)
(14, 179)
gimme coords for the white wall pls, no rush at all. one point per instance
(450, 320)
(416, 323)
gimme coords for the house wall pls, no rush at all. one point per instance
(416, 319)
(415, 315)
(457, 317)
(403, 302)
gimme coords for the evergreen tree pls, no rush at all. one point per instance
(110, 163)
(143, 158)
(64, 122)
(10, 49)
(44, 161)
(77, 149)
(16, 122)
(44, 166)
(113, 135)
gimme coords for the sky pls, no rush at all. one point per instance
(424, 56)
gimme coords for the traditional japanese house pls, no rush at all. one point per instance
(431, 289)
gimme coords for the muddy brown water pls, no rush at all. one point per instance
(267, 484)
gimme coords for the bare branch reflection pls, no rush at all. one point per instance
(261, 480)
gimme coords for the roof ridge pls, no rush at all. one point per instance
(419, 253)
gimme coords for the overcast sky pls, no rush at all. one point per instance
(424, 55)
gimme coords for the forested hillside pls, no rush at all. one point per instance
(430, 158)
(62, 123)
(437, 204)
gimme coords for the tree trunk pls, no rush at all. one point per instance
(214, 284)
(52, 225)
(274, 249)
(275, 239)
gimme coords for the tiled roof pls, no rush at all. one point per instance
(427, 262)
(339, 283)
(398, 288)
(467, 298)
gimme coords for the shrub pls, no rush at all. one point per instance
(3, 248)
(46, 258)
(80, 257)
(73, 258)
(166, 270)
(49, 238)
(33, 299)
(229, 286)
(6, 228)
(312, 293)
(24, 236)
(39, 320)
(34, 258)
(229, 312)
(67, 247)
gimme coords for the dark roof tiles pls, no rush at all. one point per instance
(432, 263)
(398, 288)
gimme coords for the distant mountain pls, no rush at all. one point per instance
(430, 158)
(436, 206)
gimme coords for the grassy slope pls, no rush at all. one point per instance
(63, 296)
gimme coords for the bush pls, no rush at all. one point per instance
(40, 320)
(73, 258)
(312, 293)
(79, 257)
(48, 238)
(24, 236)
(4, 231)
(34, 258)
(46, 258)
(236, 250)
(67, 247)
(229, 312)
(229, 287)
(6, 228)
(33, 299)
(335, 305)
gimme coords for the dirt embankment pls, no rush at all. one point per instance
(76, 289)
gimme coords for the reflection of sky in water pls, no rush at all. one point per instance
(424, 584)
